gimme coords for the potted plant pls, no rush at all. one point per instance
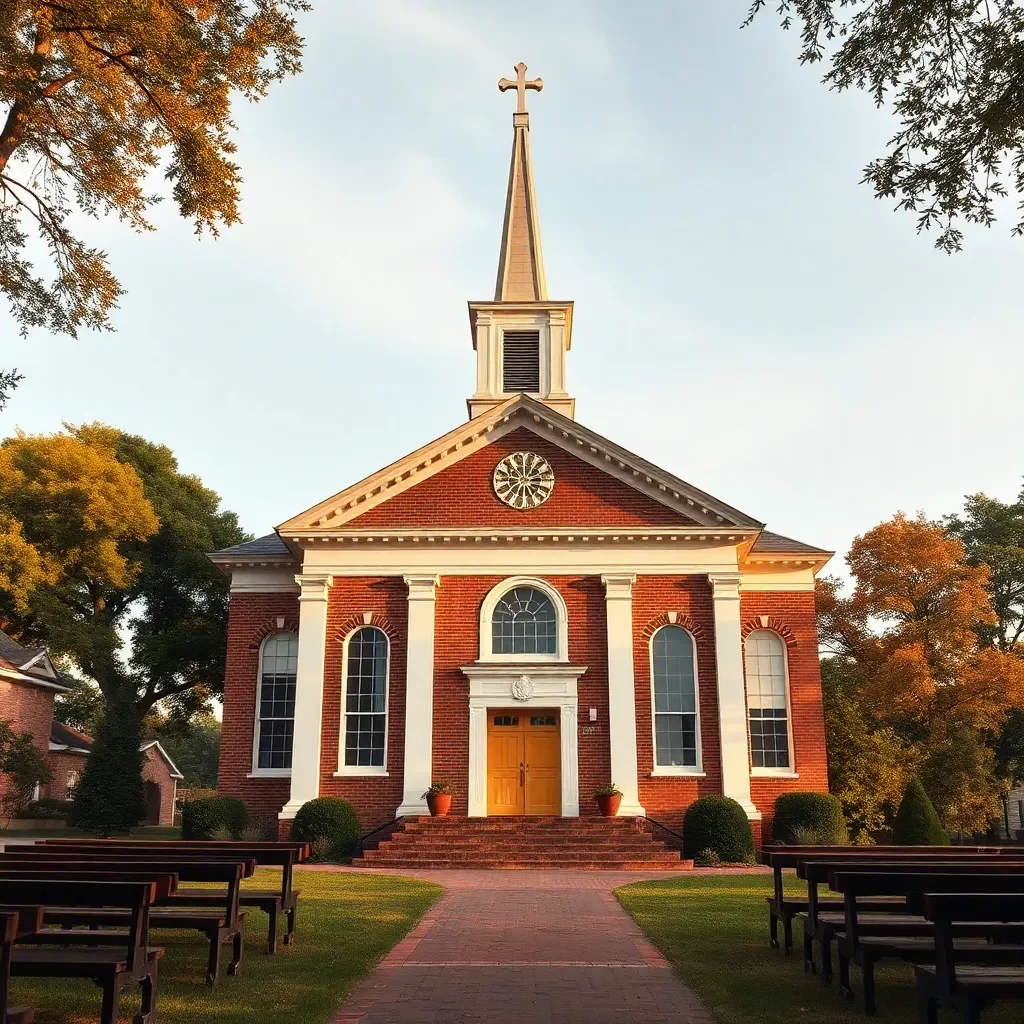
(608, 799)
(439, 798)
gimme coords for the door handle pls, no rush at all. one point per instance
(522, 774)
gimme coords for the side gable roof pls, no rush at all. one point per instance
(28, 664)
(519, 411)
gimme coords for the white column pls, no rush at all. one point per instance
(618, 592)
(309, 690)
(419, 695)
(732, 697)
(477, 760)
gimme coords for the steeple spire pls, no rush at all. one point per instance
(520, 262)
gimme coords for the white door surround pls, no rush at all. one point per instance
(529, 685)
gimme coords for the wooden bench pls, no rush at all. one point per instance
(980, 942)
(223, 923)
(967, 987)
(887, 916)
(783, 908)
(266, 854)
(14, 923)
(130, 960)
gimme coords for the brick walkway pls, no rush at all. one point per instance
(523, 946)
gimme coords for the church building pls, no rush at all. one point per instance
(522, 608)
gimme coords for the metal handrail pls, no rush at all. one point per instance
(664, 828)
(373, 831)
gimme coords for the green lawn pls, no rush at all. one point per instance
(714, 931)
(156, 833)
(346, 922)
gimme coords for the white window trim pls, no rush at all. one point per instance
(693, 770)
(353, 770)
(258, 772)
(490, 602)
(789, 772)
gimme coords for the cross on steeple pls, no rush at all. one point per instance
(520, 85)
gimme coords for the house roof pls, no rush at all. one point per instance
(28, 664)
(775, 543)
(175, 774)
(71, 740)
(271, 544)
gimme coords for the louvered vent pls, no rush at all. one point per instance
(521, 361)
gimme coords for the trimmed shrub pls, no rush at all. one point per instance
(817, 817)
(917, 823)
(718, 824)
(329, 824)
(213, 817)
(46, 810)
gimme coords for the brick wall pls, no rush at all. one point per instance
(464, 495)
(62, 766)
(251, 617)
(155, 771)
(792, 615)
(29, 709)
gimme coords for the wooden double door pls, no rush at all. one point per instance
(524, 762)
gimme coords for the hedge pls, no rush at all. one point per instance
(806, 818)
(328, 823)
(917, 823)
(201, 819)
(718, 824)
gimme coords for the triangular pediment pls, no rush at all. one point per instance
(625, 491)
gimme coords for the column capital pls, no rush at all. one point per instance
(725, 585)
(421, 588)
(618, 585)
(313, 586)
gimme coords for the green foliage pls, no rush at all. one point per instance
(958, 776)
(46, 810)
(194, 747)
(950, 74)
(707, 859)
(81, 707)
(9, 380)
(607, 789)
(917, 824)
(110, 797)
(440, 789)
(94, 98)
(205, 818)
(329, 821)
(23, 767)
(817, 815)
(720, 824)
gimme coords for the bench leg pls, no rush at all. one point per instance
(809, 966)
(773, 929)
(826, 959)
(289, 932)
(845, 988)
(927, 1006)
(237, 950)
(213, 964)
(272, 931)
(111, 998)
(147, 1012)
(787, 932)
(868, 972)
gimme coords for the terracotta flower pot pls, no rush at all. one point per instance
(439, 804)
(609, 805)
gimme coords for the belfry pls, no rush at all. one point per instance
(525, 610)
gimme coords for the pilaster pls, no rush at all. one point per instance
(419, 695)
(732, 697)
(618, 591)
(309, 690)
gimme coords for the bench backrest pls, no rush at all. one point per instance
(819, 870)
(187, 868)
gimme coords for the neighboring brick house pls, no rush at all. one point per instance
(69, 749)
(28, 684)
(523, 608)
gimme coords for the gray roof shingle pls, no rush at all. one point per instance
(768, 542)
(271, 544)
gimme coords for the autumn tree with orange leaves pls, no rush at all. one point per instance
(908, 656)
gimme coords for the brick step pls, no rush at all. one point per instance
(389, 853)
(525, 839)
(571, 826)
(513, 865)
(444, 849)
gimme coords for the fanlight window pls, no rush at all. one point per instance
(524, 622)
(767, 700)
(675, 698)
(366, 698)
(276, 712)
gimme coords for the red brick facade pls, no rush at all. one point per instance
(457, 640)
(28, 708)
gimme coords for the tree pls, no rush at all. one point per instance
(134, 603)
(194, 747)
(992, 533)
(81, 707)
(110, 796)
(920, 681)
(94, 97)
(917, 824)
(23, 767)
(952, 72)
(9, 380)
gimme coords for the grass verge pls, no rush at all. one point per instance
(713, 929)
(346, 922)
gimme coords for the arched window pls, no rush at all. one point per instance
(366, 698)
(674, 681)
(767, 700)
(275, 710)
(524, 622)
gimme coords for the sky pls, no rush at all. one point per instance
(747, 315)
